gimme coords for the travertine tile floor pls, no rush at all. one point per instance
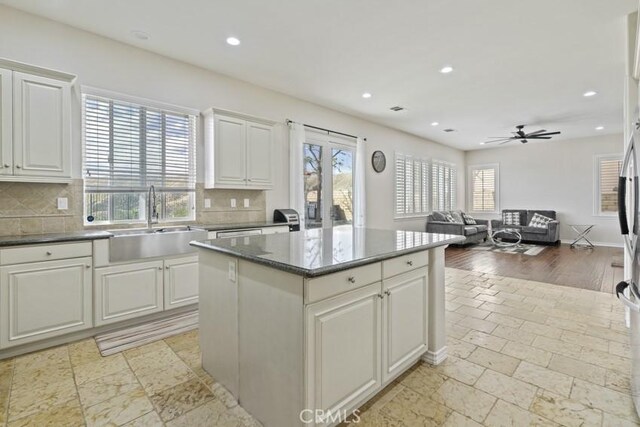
(520, 353)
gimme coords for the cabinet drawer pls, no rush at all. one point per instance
(327, 286)
(402, 264)
(44, 252)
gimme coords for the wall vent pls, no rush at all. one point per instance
(448, 130)
(397, 108)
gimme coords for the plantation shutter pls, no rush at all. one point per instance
(609, 171)
(411, 186)
(443, 185)
(483, 189)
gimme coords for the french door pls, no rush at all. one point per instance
(328, 181)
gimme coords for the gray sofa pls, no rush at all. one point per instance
(532, 234)
(436, 223)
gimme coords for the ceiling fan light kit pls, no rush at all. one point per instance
(521, 135)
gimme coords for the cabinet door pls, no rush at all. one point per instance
(230, 152)
(42, 126)
(343, 348)
(180, 282)
(259, 155)
(405, 320)
(128, 291)
(44, 299)
(6, 122)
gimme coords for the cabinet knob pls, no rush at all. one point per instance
(166, 267)
(409, 263)
(87, 266)
(17, 166)
(159, 268)
(380, 296)
(6, 165)
(387, 292)
(351, 279)
(49, 253)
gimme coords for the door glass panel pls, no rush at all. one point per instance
(342, 184)
(313, 185)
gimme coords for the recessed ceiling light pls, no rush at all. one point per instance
(446, 69)
(233, 41)
(589, 93)
(482, 143)
(599, 127)
(140, 35)
(366, 95)
(435, 124)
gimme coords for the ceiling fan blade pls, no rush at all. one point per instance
(545, 134)
(502, 143)
(498, 140)
(537, 132)
(538, 137)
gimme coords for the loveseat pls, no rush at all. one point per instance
(474, 233)
(549, 234)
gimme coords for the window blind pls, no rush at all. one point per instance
(443, 185)
(608, 173)
(129, 147)
(483, 189)
(411, 185)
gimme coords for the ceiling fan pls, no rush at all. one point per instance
(521, 135)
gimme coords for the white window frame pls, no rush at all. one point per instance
(329, 142)
(422, 213)
(496, 189)
(149, 103)
(597, 159)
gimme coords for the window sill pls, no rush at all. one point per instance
(412, 217)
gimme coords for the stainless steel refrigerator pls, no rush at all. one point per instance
(627, 291)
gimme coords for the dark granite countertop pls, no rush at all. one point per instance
(33, 239)
(239, 226)
(317, 252)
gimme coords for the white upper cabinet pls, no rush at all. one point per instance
(238, 151)
(35, 109)
(6, 125)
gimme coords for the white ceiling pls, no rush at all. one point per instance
(516, 61)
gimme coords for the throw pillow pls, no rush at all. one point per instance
(540, 221)
(449, 218)
(468, 219)
(511, 218)
(457, 216)
(438, 216)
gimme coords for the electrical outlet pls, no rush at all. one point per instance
(207, 203)
(233, 203)
(63, 203)
(232, 271)
(246, 203)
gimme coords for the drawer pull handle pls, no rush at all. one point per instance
(351, 279)
(49, 253)
(387, 292)
(409, 263)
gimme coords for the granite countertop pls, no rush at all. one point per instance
(33, 239)
(316, 252)
(238, 226)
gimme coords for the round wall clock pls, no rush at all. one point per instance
(379, 161)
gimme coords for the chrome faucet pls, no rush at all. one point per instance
(152, 211)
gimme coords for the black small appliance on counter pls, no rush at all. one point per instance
(287, 216)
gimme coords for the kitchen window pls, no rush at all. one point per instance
(483, 188)
(443, 185)
(129, 145)
(411, 186)
(607, 171)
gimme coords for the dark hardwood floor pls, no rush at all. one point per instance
(562, 265)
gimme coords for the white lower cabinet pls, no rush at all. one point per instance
(128, 291)
(44, 299)
(343, 347)
(180, 282)
(405, 311)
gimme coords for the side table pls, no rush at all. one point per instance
(582, 230)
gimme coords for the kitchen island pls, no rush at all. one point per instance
(304, 327)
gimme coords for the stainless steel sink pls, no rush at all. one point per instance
(129, 245)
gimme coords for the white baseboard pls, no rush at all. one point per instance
(604, 244)
(435, 358)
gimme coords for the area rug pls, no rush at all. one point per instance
(124, 339)
(522, 248)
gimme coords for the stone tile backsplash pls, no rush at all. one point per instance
(28, 208)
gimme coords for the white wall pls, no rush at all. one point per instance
(107, 64)
(554, 175)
